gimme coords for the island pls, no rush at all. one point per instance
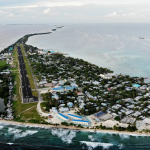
(45, 86)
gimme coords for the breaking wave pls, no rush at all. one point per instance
(1, 127)
(19, 134)
(124, 136)
(96, 144)
(91, 138)
(65, 135)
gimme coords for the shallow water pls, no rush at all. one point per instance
(114, 46)
(37, 138)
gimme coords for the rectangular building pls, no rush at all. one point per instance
(82, 122)
(63, 117)
(74, 117)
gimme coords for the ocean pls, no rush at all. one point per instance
(114, 46)
(23, 138)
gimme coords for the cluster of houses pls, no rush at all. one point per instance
(96, 88)
(9, 110)
(42, 52)
(7, 56)
(70, 118)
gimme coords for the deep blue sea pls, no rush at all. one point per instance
(23, 138)
(115, 46)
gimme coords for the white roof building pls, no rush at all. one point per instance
(146, 121)
(137, 113)
(108, 76)
(42, 82)
(63, 109)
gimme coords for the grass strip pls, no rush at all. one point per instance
(2, 63)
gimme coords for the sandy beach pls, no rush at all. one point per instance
(73, 128)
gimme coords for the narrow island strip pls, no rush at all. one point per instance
(48, 88)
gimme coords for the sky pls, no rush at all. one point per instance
(74, 11)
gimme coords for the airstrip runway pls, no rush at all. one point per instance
(26, 89)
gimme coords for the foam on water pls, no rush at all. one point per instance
(124, 136)
(65, 135)
(96, 144)
(91, 138)
(1, 127)
(121, 146)
(19, 134)
(10, 143)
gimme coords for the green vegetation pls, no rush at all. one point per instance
(18, 106)
(117, 118)
(44, 104)
(47, 96)
(4, 89)
(2, 63)
(129, 128)
(30, 115)
(35, 93)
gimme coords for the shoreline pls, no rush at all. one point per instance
(34, 125)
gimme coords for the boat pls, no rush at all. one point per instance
(141, 38)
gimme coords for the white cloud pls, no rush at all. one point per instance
(120, 14)
(26, 10)
(11, 15)
(46, 11)
(121, 11)
(114, 14)
(4, 12)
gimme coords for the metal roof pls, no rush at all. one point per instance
(99, 114)
(74, 116)
(63, 116)
(80, 120)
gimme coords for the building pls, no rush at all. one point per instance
(146, 121)
(63, 117)
(63, 109)
(58, 89)
(42, 82)
(75, 117)
(70, 88)
(136, 85)
(82, 122)
(108, 76)
(99, 114)
(80, 94)
(70, 104)
(54, 110)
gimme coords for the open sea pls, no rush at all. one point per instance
(24, 138)
(115, 46)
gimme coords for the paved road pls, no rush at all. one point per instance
(40, 97)
(26, 89)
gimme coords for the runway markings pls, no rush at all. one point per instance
(26, 90)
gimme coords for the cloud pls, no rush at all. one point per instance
(121, 14)
(114, 14)
(11, 15)
(4, 12)
(26, 10)
(46, 11)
